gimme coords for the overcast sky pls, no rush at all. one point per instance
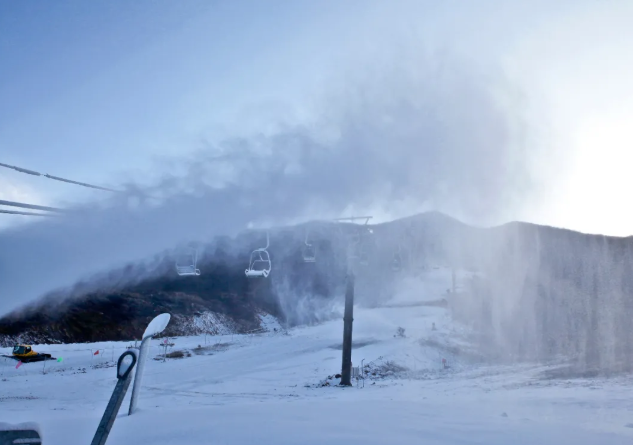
(490, 111)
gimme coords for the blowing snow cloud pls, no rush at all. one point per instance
(426, 135)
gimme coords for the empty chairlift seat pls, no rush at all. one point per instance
(259, 264)
(187, 263)
(309, 253)
(396, 262)
(309, 250)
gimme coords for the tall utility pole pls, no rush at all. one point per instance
(348, 317)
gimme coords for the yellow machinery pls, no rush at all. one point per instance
(26, 354)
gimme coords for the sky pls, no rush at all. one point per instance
(240, 113)
(100, 90)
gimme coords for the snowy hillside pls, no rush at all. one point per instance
(272, 387)
(530, 292)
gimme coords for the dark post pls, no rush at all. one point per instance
(124, 377)
(348, 318)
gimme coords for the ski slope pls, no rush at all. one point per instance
(268, 388)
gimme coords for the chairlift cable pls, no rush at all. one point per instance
(13, 212)
(30, 206)
(57, 178)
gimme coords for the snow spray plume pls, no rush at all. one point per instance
(303, 307)
(539, 293)
(411, 139)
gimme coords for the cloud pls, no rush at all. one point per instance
(428, 132)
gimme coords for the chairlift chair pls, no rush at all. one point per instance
(186, 264)
(363, 260)
(363, 255)
(396, 262)
(354, 247)
(357, 249)
(309, 251)
(259, 264)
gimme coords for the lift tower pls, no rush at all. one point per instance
(348, 317)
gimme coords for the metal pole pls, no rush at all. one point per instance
(155, 327)
(348, 316)
(348, 319)
(138, 379)
(124, 376)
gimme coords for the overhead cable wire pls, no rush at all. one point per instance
(57, 178)
(30, 206)
(13, 212)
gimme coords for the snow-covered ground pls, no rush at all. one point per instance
(268, 388)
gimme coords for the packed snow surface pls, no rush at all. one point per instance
(274, 387)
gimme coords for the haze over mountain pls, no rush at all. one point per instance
(528, 292)
(406, 141)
